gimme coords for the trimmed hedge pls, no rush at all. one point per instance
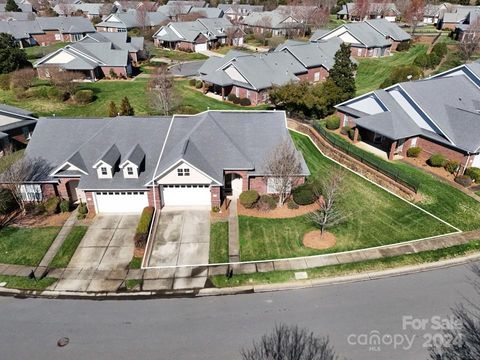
(64, 206)
(267, 202)
(199, 84)
(292, 205)
(143, 227)
(451, 166)
(232, 97)
(332, 122)
(463, 180)
(192, 82)
(404, 46)
(437, 160)
(51, 205)
(304, 194)
(245, 102)
(414, 151)
(351, 135)
(82, 211)
(474, 173)
(249, 198)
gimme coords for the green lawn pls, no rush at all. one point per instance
(225, 49)
(136, 263)
(66, 251)
(25, 283)
(177, 55)
(25, 246)
(351, 268)
(438, 197)
(376, 218)
(219, 243)
(37, 52)
(372, 72)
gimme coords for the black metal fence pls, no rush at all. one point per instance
(371, 160)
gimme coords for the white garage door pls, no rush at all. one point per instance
(186, 195)
(200, 47)
(121, 202)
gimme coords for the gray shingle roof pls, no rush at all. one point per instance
(275, 20)
(246, 137)
(120, 40)
(387, 28)
(189, 31)
(66, 25)
(5, 15)
(24, 6)
(131, 20)
(92, 9)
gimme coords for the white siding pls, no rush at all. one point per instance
(348, 38)
(234, 74)
(368, 105)
(61, 58)
(194, 177)
(336, 33)
(476, 161)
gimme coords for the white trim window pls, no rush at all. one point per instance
(316, 76)
(104, 171)
(31, 192)
(183, 172)
(130, 171)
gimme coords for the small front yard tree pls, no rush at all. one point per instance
(283, 166)
(343, 71)
(470, 40)
(125, 108)
(112, 109)
(161, 90)
(329, 191)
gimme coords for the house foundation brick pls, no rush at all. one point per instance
(216, 196)
(90, 202)
(157, 201)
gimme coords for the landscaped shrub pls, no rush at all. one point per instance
(437, 160)
(345, 129)
(192, 82)
(245, 102)
(83, 97)
(292, 205)
(64, 206)
(51, 205)
(440, 49)
(143, 227)
(414, 151)
(215, 209)
(464, 180)
(4, 81)
(267, 202)
(401, 74)
(249, 198)
(451, 166)
(433, 60)
(351, 135)
(421, 61)
(231, 97)
(332, 122)
(236, 100)
(404, 46)
(7, 202)
(304, 194)
(82, 211)
(37, 209)
(474, 173)
(199, 84)
(112, 74)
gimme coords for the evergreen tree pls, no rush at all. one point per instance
(112, 109)
(11, 56)
(343, 71)
(11, 6)
(125, 108)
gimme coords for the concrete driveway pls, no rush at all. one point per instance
(183, 237)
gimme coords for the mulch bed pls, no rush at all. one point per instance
(222, 215)
(40, 220)
(315, 240)
(279, 213)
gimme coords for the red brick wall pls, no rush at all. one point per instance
(259, 183)
(310, 75)
(216, 196)
(157, 201)
(185, 46)
(47, 38)
(120, 71)
(254, 96)
(62, 187)
(244, 176)
(49, 190)
(429, 147)
(90, 204)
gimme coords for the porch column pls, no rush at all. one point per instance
(355, 135)
(393, 147)
(92, 75)
(223, 93)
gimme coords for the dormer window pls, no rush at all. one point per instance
(104, 171)
(130, 170)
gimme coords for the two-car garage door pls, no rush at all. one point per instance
(186, 195)
(121, 202)
(201, 47)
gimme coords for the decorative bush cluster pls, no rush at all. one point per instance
(332, 122)
(414, 151)
(463, 180)
(304, 194)
(437, 160)
(83, 97)
(143, 227)
(474, 173)
(451, 166)
(249, 198)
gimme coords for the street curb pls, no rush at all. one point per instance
(246, 289)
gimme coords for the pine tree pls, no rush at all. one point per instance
(112, 109)
(125, 108)
(343, 71)
(11, 6)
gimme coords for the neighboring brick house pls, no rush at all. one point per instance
(122, 164)
(456, 16)
(251, 75)
(370, 38)
(198, 35)
(62, 29)
(276, 23)
(236, 12)
(432, 13)
(89, 10)
(124, 21)
(16, 127)
(376, 10)
(94, 57)
(440, 114)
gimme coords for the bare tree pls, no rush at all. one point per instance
(470, 40)
(283, 166)
(161, 90)
(24, 171)
(66, 81)
(142, 17)
(231, 33)
(290, 342)
(414, 13)
(65, 7)
(265, 26)
(328, 194)
(106, 9)
(361, 9)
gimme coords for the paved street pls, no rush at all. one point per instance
(216, 328)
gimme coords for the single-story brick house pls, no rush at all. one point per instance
(440, 114)
(16, 127)
(123, 164)
(198, 35)
(455, 16)
(89, 10)
(251, 75)
(94, 57)
(276, 22)
(370, 38)
(124, 21)
(376, 10)
(236, 12)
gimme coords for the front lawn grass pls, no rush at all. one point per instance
(351, 268)
(66, 251)
(177, 55)
(219, 242)
(37, 52)
(25, 246)
(225, 49)
(372, 72)
(25, 283)
(375, 218)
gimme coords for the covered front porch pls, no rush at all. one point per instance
(380, 145)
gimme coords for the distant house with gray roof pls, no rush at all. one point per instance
(124, 21)
(370, 38)
(250, 76)
(123, 164)
(277, 23)
(376, 10)
(24, 6)
(22, 16)
(455, 16)
(16, 127)
(440, 114)
(236, 12)
(432, 13)
(198, 35)
(96, 56)
(90, 10)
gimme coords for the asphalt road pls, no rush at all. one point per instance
(218, 327)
